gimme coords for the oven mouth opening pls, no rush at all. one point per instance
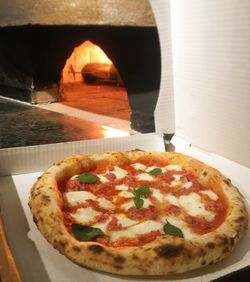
(43, 62)
(92, 83)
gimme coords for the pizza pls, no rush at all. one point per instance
(138, 213)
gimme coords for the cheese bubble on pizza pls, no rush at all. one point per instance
(138, 213)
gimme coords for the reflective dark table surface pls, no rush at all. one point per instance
(25, 125)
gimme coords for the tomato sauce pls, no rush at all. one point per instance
(162, 182)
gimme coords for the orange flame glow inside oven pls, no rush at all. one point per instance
(82, 55)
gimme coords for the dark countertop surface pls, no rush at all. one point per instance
(25, 125)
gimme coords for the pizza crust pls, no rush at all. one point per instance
(167, 254)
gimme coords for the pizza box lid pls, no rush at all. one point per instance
(205, 86)
(188, 90)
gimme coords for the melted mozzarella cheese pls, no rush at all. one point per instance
(106, 204)
(187, 184)
(138, 166)
(144, 177)
(146, 203)
(157, 194)
(84, 215)
(173, 167)
(136, 230)
(126, 206)
(177, 177)
(124, 221)
(102, 225)
(176, 181)
(74, 177)
(172, 199)
(193, 205)
(126, 194)
(119, 172)
(210, 194)
(121, 187)
(102, 178)
(78, 197)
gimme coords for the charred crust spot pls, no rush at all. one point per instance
(232, 241)
(76, 249)
(210, 245)
(222, 240)
(203, 262)
(169, 251)
(109, 254)
(135, 257)
(96, 249)
(62, 243)
(225, 250)
(119, 259)
(240, 219)
(45, 199)
(35, 220)
(204, 173)
(35, 193)
(202, 252)
(118, 266)
(218, 258)
(227, 181)
(225, 240)
(211, 262)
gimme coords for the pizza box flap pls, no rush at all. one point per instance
(210, 50)
(204, 92)
(37, 158)
(164, 111)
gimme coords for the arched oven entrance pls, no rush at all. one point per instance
(91, 82)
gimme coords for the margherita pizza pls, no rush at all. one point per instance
(138, 213)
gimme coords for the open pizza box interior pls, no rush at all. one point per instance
(197, 101)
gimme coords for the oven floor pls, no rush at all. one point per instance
(103, 104)
(106, 100)
(23, 124)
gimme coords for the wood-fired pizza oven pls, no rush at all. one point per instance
(37, 40)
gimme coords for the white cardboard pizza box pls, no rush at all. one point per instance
(198, 97)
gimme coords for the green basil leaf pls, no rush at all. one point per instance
(88, 178)
(141, 192)
(138, 202)
(172, 230)
(155, 171)
(85, 233)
